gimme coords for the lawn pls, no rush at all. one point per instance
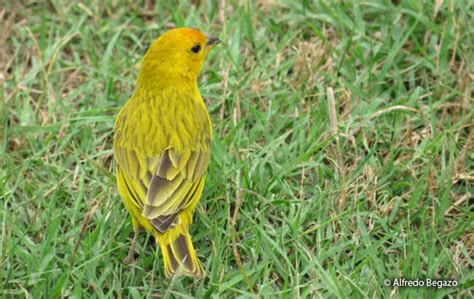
(342, 152)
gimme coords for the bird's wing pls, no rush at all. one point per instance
(164, 185)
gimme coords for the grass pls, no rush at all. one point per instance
(342, 152)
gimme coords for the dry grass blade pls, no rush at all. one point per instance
(235, 250)
(332, 110)
(333, 123)
(392, 108)
(85, 223)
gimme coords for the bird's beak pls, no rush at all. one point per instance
(212, 41)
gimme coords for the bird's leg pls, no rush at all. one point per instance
(130, 258)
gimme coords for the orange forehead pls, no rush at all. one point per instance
(186, 34)
(193, 34)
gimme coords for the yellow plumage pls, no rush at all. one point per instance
(162, 146)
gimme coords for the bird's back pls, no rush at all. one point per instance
(152, 121)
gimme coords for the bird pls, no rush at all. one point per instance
(162, 145)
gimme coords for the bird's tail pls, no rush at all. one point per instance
(179, 256)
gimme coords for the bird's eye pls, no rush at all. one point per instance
(196, 48)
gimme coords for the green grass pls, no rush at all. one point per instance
(316, 206)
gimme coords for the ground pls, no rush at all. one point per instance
(342, 152)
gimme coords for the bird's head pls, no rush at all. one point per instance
(177, 54)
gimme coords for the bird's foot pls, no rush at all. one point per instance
(129, 259)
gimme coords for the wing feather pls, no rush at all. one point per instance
(162, 186)
(191, 165)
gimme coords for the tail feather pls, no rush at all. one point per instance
(179, 257)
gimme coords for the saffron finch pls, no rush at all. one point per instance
(162, 147)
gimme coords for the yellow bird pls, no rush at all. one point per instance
(162, 147)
